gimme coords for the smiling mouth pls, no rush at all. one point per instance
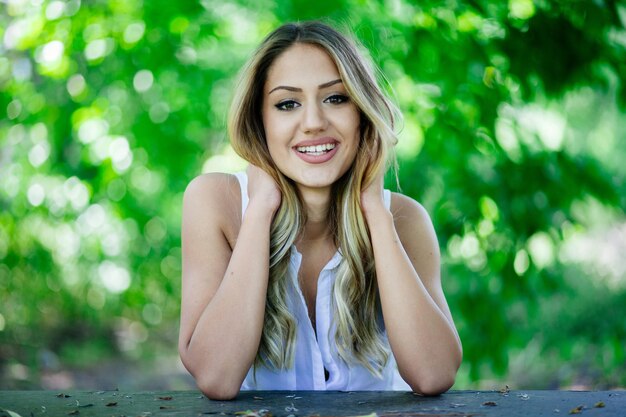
(317, 149)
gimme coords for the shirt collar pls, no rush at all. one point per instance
(296, 258)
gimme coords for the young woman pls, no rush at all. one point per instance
(303, 273)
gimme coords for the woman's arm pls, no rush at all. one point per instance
(419, 325)
(224, 291)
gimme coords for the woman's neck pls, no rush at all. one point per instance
(316, 203)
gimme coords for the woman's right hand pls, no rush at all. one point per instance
(262, 189)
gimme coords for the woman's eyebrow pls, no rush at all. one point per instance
(296, 89)
(330, 83)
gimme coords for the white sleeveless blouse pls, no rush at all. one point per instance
(316, 355)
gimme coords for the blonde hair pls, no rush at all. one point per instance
(355, 294)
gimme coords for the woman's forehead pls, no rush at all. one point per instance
(302, 66)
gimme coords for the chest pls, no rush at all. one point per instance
(313, 262)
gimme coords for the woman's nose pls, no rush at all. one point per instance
(313, 119)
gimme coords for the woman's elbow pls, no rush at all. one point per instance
(433, 382)
(432, 385)
(217, 389)
(215, 385)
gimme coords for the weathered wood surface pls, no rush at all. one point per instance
(309, 403)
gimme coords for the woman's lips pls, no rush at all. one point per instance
(317, 141)
(314, 158)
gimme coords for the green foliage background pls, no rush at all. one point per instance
(513, 139)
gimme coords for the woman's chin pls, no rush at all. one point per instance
(316, 180)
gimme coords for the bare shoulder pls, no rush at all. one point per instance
(212, 184)
(214, 189)
(215, 198)
(408, 213)
(417, 234)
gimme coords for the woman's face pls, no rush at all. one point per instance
(311, 125)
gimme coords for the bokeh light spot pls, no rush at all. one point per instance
(91, 220)
(134, 32)
(68, 240)
(76, 192)
(142, 81)
(155, 230)
(146, 181)
(36, 194)
(159, 112)
(120, 154)
(50, 53)
(152, 314)
(76, 85)
(92, 129)
(14, 108)
(98, 49)
(39, 154)
(521, 9)
(113, 277)
(541, 249)
(116, 190)
(521, 262)
(227, 161)
(55, 10)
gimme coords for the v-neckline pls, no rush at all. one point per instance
(332, 263)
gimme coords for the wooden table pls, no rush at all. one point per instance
(310, 403)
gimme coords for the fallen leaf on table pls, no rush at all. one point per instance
(599, 404)
(577, 410)
(252, 413)
(9, 413)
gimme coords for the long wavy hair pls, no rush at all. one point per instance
(355, 294)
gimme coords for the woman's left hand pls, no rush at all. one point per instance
(372, 196)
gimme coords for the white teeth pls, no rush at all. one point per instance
(316, 150)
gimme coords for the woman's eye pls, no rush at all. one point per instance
(337, 99)
(287, 105)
